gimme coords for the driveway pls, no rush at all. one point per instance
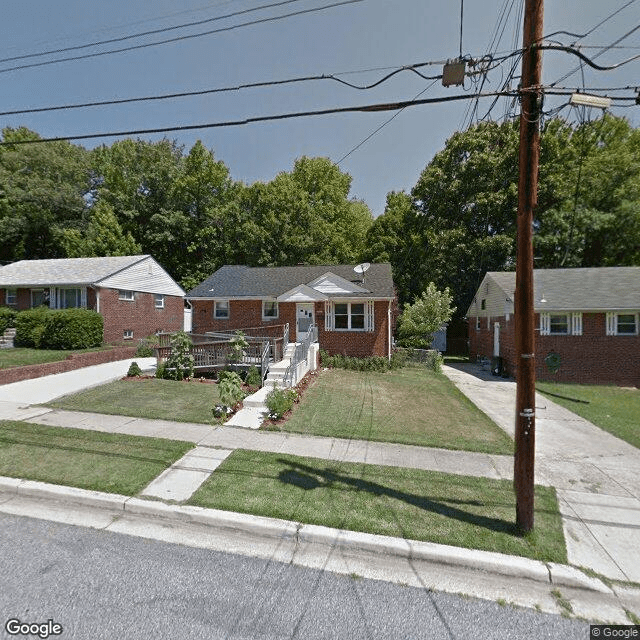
(595, 473)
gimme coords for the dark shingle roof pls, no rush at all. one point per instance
(593, 288)
(238, 281)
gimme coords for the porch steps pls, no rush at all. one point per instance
(277, 371)
(7, 338)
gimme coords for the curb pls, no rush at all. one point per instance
(308, 534)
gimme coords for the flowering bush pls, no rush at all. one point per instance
(279, 401)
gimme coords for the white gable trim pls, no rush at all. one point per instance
(146, 276)
(330, 283)
(301, 293)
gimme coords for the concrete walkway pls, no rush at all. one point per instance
(595, 474)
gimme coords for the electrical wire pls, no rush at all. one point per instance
(181, 38)
(369, 108)
(145, 33)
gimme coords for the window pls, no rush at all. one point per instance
(71, 298)
(559, 325)
(128, 334)
(158, 301)
(477, 323)
(269, 309)
(349, 316)
(39, 297)
(126, 295)
(221, 309)
(11, 297)
(622, 324)
(483, 304)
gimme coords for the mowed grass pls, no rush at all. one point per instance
(614, 409)
(409, 406)
(113, 463)
(476, 513)
(21, 356)
(148, 398)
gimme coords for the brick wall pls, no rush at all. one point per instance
(592, 358)
(138, 315)
(72, 362)
(248, 313)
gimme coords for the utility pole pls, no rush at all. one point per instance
(531, 103)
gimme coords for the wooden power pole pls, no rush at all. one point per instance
(531, 103)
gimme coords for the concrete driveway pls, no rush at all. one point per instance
(595, 473)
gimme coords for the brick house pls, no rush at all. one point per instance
(588, 323)
(354, 312)
(134, 294)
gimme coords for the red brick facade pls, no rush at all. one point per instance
(590, 358)
(248, 313)
(139, 315)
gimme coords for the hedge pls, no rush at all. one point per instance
(63, 329)
(7, 318)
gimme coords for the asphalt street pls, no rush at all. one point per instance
(100, 585)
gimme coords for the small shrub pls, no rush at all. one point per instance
(253, 378)
(7, 318)
(371, 363)
(279, 401)
(145, 348)
(72, 329)
(134, 370)
(161, 371)
(238, 345)
(434, 361)
(230, 389)
(179, 364)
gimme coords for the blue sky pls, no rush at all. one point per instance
(362, 35)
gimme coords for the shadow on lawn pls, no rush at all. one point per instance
(307, 477)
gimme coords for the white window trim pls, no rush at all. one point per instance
(54, 297)
(11, 293)
(127, 295)
(215, 310)
(158, 300)
(369, 316)
(267, 318)
(574, 324)
(612, 323)
(128, 334)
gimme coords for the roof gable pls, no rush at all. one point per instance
(302, 293)
(330, 283)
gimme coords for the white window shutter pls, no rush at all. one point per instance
(328, 316)
(370, 319)
(576, 324)
(611, 324)
(545, 324)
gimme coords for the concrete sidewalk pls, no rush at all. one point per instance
(595, 474)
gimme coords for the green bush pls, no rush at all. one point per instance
(253, 378)
(370, 363)
(72, 329)
(145, 347)
(7, 318)
(279, 401)
(29, 326)
(230, 389)
(134, 370)
(179, 364)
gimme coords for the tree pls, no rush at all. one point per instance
(420, 320)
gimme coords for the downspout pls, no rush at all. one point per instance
(97, 290)
(389, 331)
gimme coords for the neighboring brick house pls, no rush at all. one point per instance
(134, 294)
(352, 311)
(588, 323)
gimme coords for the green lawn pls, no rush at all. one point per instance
(410, 406)
(476, 513)
(113, 463)
(614, 409)
(148, 398)
(22, 356)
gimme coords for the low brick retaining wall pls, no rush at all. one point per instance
(73, 361)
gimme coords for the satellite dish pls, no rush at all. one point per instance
(361, 268)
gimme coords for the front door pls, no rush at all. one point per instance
(304, 319)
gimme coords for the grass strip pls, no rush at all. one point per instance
(148, 398)
(408, 406)
(614, 409)
(113, 463)
(20, 356)
(476, 513)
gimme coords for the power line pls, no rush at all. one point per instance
(370, 108)
(145, 33)
(181, 38)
